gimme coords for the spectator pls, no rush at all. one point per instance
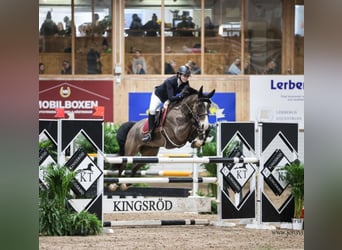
(105, 47)
(195, 70)
(136, 27)
(96, 28)
(209, 27)
(170, 67)
(168, 49)
(138, 59)
(60, 27)
(81, 30)
(41, 68)
(67, 26)
(271, 67)
(184, 28)
(152, 27)
(247, 68)
(66, 68)
(140, 69)
(49, 27)
(234, 68)
(94, 62)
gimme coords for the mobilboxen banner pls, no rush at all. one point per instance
(80, 98)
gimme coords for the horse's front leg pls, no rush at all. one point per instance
(135, 168)
(114, 186)
(198, 141)
(201, 138)
(121, 169)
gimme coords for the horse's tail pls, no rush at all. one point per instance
(121, 136)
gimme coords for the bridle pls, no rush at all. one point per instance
(194, 115)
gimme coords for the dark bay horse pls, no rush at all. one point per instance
(184, 121)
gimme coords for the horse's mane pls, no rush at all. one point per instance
(187, 91)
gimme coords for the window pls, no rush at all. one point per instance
(222, 37)
(159, 36)
(299, 40)
(54, 36)
(183, 37)
(143, 39)
(92, 29)
(263, 37)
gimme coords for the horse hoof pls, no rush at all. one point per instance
(113, 187)
(123, 187)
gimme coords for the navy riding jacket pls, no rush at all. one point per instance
(169, 89)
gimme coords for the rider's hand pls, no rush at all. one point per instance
(166, 104)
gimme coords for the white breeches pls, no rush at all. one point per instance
(154, 103)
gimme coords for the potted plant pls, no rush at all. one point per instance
(295, 178)
(56, 217)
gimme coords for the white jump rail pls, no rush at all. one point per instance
(148, 159)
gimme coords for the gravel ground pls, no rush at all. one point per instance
(179, 237)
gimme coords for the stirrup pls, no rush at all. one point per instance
(147, 138)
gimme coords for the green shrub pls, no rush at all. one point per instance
(111, 145)
(84, 223)
(295, 178)
(55, 217)
(52, 220)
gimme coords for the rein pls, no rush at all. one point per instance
(196, 117)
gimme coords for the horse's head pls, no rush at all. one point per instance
(199, 104)
(201, 107)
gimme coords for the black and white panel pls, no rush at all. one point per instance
(237, 180)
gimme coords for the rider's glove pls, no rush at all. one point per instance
(166, 104)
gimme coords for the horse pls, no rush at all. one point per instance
(181, 122)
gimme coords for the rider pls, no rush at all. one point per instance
(165, 93)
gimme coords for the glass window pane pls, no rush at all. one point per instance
(263, 36)
(222, 37)
(299, 40)
(93, 44)
(142, 38)
(54, 36)
(182, 36)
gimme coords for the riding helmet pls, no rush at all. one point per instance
(184, 70)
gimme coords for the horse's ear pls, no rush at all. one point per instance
(200, 91)
(210, 95)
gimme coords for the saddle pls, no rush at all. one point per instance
(159, 120)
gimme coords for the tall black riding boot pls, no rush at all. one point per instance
(148, 137)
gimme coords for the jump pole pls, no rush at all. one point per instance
(165, 173)
(147, 159)
(133, 180)
(145, 223)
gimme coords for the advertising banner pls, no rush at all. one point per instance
(81, 99)
(222, 107)
(277, 99)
